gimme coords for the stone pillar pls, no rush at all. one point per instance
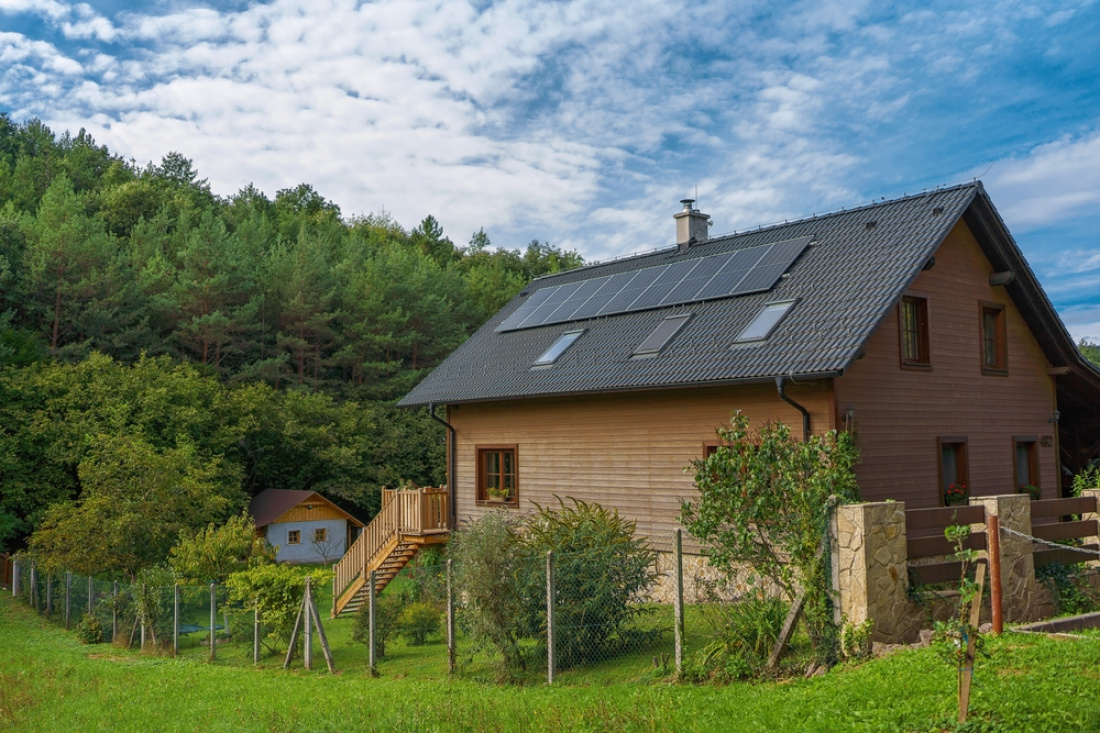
(1093, 494)
(1018, 585)
(870, 569)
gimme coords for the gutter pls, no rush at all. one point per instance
(779, 381)
(451, 467)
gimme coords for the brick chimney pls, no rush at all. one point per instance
(691, 226)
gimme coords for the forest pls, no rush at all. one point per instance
(166, 353)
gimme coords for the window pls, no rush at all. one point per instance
(497, 475)
(661, 335)
(765, 321)
(954, 473)
(994, 353)
(293, 537)
(1025, 451)
(564, 342)
(320, 534)
(913, 319)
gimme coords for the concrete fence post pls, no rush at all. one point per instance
(871, 575)
(91, 595)
(1018, 584)
(114, 611)
(34, 585)
(15, 578)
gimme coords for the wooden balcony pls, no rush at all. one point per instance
(409, 520)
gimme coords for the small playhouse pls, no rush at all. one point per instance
(304, 526)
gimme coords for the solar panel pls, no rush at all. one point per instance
(749, 270)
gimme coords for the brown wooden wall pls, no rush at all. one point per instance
(320, 511)
(899, 413)
(623, 450)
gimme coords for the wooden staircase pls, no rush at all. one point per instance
(409, 520)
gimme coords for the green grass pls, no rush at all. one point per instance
(51, 682)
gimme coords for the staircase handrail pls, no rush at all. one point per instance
(372, 539)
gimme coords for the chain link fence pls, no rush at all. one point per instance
(564, 618)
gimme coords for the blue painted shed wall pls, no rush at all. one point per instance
(306, 551)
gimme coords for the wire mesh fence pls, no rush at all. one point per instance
(570, 618)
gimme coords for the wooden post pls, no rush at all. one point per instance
(114, 610)
(678, 601)
(450, 618)
(91, 594)
(550, 630)
(308, 651)
(68, 599)
(321, 635)
(993, 541)
(213, 619)
(256, 635)
(371, 656)
(293, 639)
(966, 674)
(176, 620)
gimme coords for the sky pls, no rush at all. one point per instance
(584, 122)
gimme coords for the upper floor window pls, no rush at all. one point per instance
(913, 320)
(994, 352)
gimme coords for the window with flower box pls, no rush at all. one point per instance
(954, 473)
(497, 475)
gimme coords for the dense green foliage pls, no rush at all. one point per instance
(276, 591)
(601, 568)
(1090, 350)
(764, 503)
(215, 553)
(243, 342)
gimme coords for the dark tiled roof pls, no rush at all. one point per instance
(270, 504)
(845, 283)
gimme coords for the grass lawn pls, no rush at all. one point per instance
(50, 681)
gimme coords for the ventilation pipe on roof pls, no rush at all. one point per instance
(805, 415)
(453, 501)
(691, 226)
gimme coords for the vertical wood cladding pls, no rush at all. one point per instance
(623, 450)
(899, 413)
(320, 511)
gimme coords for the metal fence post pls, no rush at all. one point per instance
(550, 660)
(309, 624)
(371, 657)
(34, 585)
(678, 600)
(213, 618)
(141, 614)
(450, 618)
(49, 594)
(68, 598)
(256, 635)
(114, 611)
(176, 620)
(91, 594)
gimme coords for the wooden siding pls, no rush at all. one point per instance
(624, 450)
(320, 511)
(899, 413)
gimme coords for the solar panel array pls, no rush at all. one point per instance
(751, 270)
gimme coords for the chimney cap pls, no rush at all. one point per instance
(688, 204)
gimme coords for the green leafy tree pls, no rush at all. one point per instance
(1090, 351)
(764, 502)
(215, 553)
(276, 592)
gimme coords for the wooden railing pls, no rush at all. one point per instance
(925, 538)
(1061, 527)
(414, 512)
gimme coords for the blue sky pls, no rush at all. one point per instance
(583, 122)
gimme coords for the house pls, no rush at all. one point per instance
(304, 526)
(914, 323)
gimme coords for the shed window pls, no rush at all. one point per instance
(294, 537)
(765, 321)
(913, 319)
(994, 351)
(661, 335)
(320, 535)
(552, 354)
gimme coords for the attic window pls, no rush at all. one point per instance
(765, 321)
(564, 342)
(661, 335)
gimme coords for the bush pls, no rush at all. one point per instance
(276, 591)
(89, 630)
(418, 621)
(387, 611)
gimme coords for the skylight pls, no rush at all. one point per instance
(765, 321)
(564, 342)
(661, 335)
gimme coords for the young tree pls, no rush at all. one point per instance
(215, 553)
(764, 500)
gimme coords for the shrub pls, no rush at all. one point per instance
(387, 611)
(746, 631)
(276, 591)
(1069, 588)
(89, 629)
(418, 621)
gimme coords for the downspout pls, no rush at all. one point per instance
(450, 462)
(805, 415)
